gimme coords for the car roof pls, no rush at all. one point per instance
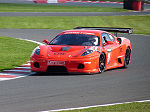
(94, 32)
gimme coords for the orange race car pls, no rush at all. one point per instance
(83, 50)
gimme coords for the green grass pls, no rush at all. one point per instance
(14, 52)
(130, 107)
(5, 7)
(140, 24)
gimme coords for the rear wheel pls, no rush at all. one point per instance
(127, 57)
(102, 63)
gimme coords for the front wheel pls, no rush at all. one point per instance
(102, 63)
(127, 57)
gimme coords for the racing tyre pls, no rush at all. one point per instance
(102, 63)
(127, 57)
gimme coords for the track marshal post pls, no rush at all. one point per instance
(137, 5)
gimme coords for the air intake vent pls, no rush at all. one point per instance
(57, 69)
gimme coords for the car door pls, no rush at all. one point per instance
(112, 47)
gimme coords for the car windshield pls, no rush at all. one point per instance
(76, 40)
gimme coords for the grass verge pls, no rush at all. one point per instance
(130, 107)
(14, 52)
(6, 7)
(139, 23)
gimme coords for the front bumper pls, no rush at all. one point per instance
(85, 65)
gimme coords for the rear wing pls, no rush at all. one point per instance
(109, 29)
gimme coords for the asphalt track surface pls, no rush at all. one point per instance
(10, 14)
(146, 6)
(41, 92)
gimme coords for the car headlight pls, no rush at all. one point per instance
(36, 51)
(89, 51)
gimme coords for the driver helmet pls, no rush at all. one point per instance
(93, 40)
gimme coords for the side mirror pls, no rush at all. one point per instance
(46, 41)
(110, 42)
(119, 40)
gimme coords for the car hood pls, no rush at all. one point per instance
(65, 52)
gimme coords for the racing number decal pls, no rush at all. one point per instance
(109, 53)
(108, 59)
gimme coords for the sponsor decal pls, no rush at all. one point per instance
(56, 63)
(59, 53)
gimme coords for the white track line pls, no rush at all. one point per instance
(32, 41)
(93, 106)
